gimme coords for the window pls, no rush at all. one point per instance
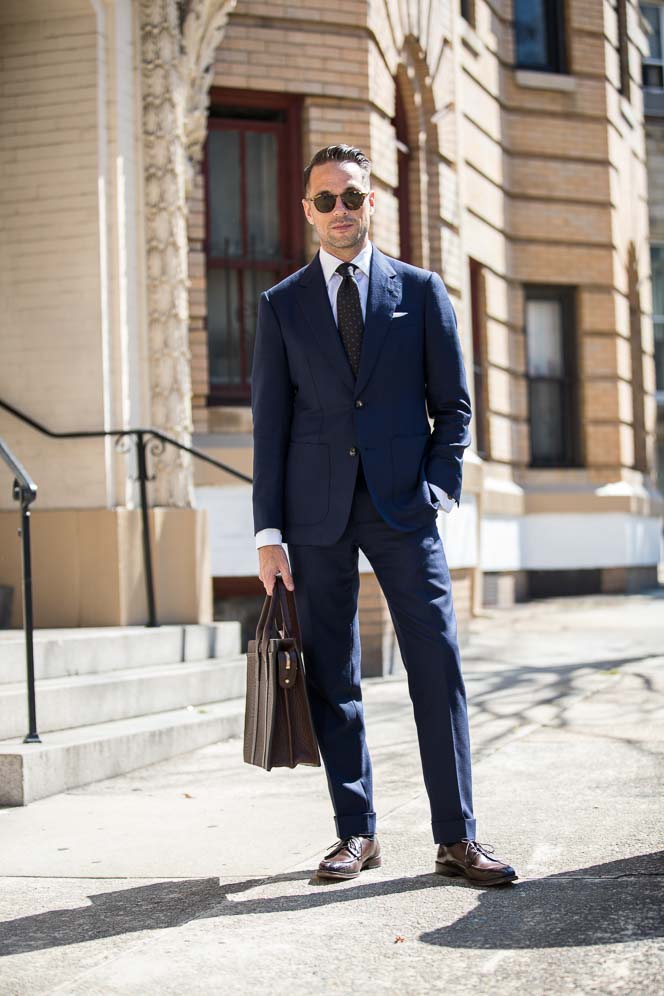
(623, 48)
(657, 267)
(478, 321)
(636, 345)
(653, 65)
(552, 380)
(403, 190)
(253, 225)
(539, 35)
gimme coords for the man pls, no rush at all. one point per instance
(350, 353)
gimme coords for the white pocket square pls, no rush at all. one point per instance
(399, 314)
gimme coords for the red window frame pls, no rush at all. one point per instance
(403, 190)
(242, 107)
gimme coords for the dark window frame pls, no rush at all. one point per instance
(648, 60)
(555, 23)
(480, 358)
(623, 50)
(404, 157)
(566, 296)
(653, 92)
(467, 11)
(658, 323)
(241, 110)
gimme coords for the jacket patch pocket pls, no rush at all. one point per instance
(307, 483)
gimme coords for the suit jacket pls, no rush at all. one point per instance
(313, 420)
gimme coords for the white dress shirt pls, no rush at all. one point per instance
(329, 264)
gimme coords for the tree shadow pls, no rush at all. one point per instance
(611, 903)
(501, 692)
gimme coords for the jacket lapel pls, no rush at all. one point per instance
(384, 294)
(315, 304)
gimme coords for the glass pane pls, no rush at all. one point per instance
(653, 76)
(255, 282)
(659, 356)
(530, 28)
(657, 266)
(224, 193)
(223, 326)
(544, 337)
(651, 14)
(546, 422)
(262, 195)
(232, 328)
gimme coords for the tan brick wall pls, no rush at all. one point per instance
(50, 320)
(540, 184)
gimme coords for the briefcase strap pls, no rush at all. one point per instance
(289, 617)
(260, 628)
(278, 610)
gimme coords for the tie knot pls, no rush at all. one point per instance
(346, 269)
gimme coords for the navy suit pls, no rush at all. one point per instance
(344, 463)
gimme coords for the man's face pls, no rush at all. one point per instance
(342, 231)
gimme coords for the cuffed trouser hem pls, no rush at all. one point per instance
(450, 831)
(353, 825)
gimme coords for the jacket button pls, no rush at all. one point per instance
(352, 451)
(359, 404)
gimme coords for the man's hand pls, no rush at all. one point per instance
(273, 560)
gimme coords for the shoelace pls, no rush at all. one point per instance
(352, 845)
(484, 849)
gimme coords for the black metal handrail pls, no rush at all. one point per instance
(25, 492)
(144, 439)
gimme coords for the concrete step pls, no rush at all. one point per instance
(95, 650)
(76, 757)
(84, 700)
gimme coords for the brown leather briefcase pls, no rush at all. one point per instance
(278, 732)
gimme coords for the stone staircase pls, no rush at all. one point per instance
(110, 700)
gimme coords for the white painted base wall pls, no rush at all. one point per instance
(231, 529)
(507, 543)
(564, 542)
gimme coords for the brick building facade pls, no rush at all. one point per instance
(509, 155)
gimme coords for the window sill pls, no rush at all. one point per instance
(230, 418)
(470, 37)
(540, 80)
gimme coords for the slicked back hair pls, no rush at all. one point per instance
(338, 154)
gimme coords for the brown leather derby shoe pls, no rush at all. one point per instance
(349, 857)
(474, 862)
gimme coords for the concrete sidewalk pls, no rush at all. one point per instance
(195, 876)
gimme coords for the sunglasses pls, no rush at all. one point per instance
(351, 199)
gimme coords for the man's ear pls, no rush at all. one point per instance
(372, 201)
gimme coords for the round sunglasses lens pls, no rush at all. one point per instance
(324, 203)
(353, 199)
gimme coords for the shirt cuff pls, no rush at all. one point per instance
(268, 537)
(446, 503)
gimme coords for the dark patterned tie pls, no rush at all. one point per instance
(349, 315)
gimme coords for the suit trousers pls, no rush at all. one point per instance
(412, 572)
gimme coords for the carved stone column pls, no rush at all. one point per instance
(178, 41)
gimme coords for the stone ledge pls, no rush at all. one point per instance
(541, 80)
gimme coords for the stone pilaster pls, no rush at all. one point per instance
(177, 49)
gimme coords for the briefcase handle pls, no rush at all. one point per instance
(281, 604)
(291, 623)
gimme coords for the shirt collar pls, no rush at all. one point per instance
(329, 263)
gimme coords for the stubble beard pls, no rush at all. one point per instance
(349, 239)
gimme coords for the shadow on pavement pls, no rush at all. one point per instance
(611, 903)
(515, 692)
